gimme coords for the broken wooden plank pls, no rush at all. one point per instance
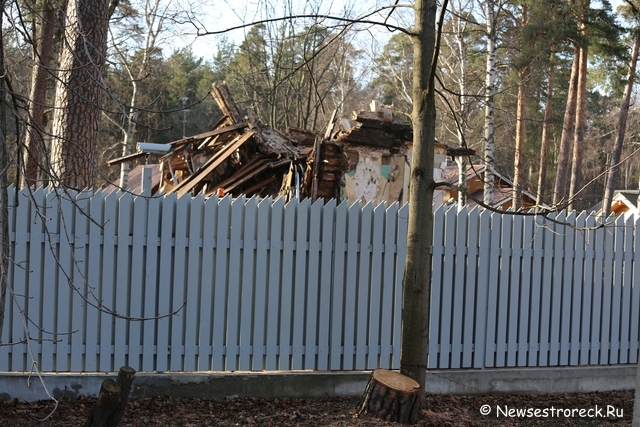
(215, 161)
(220, 92)
(245, 169)
(207, 134)
(127, 158)
(249, 191)
(316, 167)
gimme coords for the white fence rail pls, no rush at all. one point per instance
(263, 285)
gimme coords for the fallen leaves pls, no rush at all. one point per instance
(341, 412)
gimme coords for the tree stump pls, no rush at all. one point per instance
(112, 400)
(391, 396)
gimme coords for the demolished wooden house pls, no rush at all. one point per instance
(368, 161)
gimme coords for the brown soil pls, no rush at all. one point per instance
(442, 411)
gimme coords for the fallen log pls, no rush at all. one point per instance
(391, 396)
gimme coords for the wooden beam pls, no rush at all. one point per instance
(220, 92)
(215, 161)
(123, 159)
(214, 132)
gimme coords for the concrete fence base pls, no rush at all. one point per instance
(307, 384)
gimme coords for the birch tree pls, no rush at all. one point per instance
(489, 109)
(154, 16)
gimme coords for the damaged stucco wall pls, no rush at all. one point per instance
(375, 175)
(381, 175)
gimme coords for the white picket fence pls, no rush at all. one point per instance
(264, 285)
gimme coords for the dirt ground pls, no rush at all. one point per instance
(561, 410)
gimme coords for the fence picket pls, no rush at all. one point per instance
(49, 283)
(286, 287)
(437, 261)
(233, 290)
(459, 261)
(178, 290)
(313, 291)
(350, 300)
(491, 323)
(401, 252)
(300, 283)
(165, 283)
(388, 291)
(94, 266)
(247, 308)
(626, 283)
(79, 273)
(325, 270)
(579, 267)
(337, 306)
(525, 310)
(140, 219)
(35, 302)
(470, 304)
(482, 295)
(634, 332)
(607, 295)
(557, 286)
(616, 284)
(502, 308)
(567, 288)
(447, 290)
(535, 306)
(151, 292)
(65, 293)
(5, 354)
(599, 237)
(17, 293)
(261, 266)
(376, 302)
(193, 283)
(587, 289)
(363, 287)
(273, 289)
(517, 249)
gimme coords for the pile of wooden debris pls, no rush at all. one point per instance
(242, 156)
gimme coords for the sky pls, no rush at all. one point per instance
(226, 14)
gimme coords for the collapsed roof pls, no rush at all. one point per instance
(242, 156)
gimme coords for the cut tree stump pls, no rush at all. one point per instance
(112, 400)
(391, 396)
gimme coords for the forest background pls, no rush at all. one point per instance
(303, 60)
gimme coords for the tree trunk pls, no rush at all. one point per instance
(416, 288)
(521, 130)
(578, 139)
(546, 126)
(392, 397)
(613, 172)
(35, 148)
(460, 25)
(489, 113)
(568, 126)
(112, 400)
(520, 137)
(78, 93)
